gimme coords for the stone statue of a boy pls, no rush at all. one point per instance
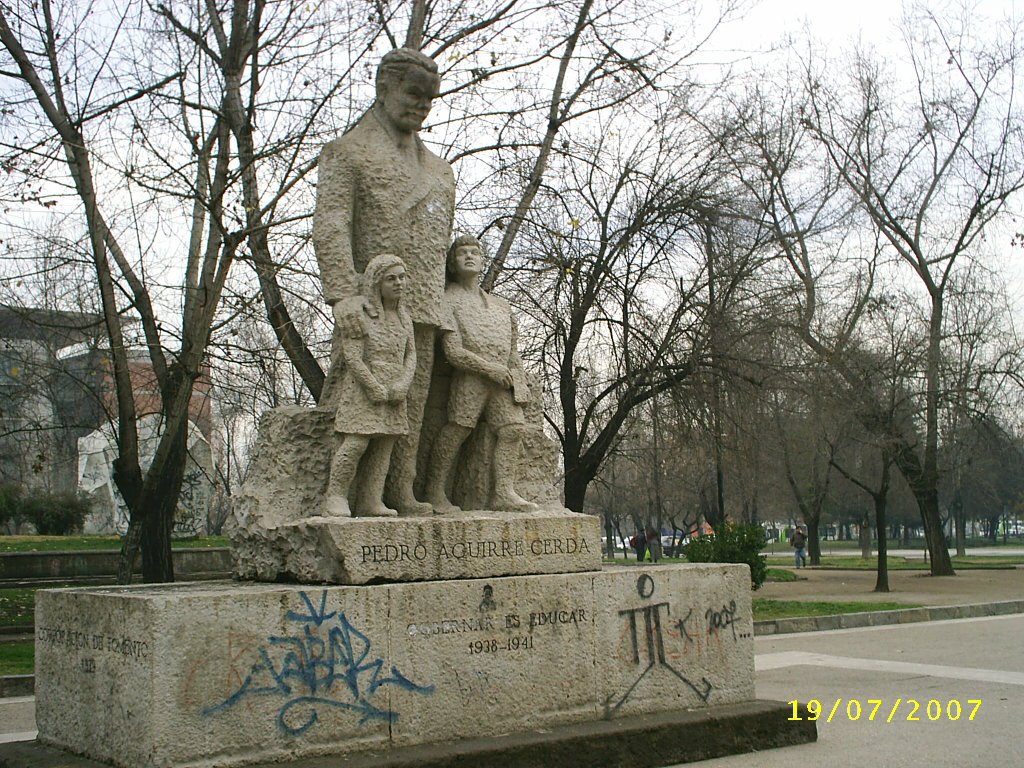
(479, 336)
(380, 358)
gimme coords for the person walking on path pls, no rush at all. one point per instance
(639, 542)
(799, 542)
(654, 544)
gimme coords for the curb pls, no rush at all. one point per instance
(17, 685)
(884, 618)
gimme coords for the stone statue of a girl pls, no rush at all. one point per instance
(379, 356)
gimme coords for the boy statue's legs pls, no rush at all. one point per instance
(506, 457)
(442, 459)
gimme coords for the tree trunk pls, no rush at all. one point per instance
(157, 527)
(993, 528)
(960, 523)
(160, 498)
(712, 512)
(151, 522)
(923, 486)
(575, 489)
(865, 537)
(813, 543)
(935, 539)
(926, 483)
(128, 478)
(882, 577)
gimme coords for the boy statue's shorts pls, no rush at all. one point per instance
(472, 395)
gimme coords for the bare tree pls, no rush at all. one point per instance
(808, 434)
(931, 167)
(157, 154)
(980, 357)
(613, 273)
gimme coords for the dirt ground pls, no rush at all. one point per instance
(909, 587)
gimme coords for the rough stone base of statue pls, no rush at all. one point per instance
(224, 674)
(280, 532)
(370, 550)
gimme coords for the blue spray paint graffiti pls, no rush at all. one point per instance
(326, 662)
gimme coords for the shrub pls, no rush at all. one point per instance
(10, 505)
(53, 514)
(733, 543)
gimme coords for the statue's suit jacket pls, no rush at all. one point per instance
(373, 199)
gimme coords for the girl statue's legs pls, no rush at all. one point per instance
(378, 458)
(343, 470)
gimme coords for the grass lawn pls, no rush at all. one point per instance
(18, 604)
(828, 545)
(17, 658)
(17, 607)
(857, 563)
(785, 609)
(76, 543)
(780, 574)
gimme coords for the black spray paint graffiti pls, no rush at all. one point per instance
(721, 619)
(681, 626)
(190, 517)
(653, 646)
(322, 664)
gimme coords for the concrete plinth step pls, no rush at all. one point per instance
(666, 738)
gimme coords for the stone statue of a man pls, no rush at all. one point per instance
(382, 191)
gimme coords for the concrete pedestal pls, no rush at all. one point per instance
(226, 674)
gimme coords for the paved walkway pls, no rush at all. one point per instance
(927, 680)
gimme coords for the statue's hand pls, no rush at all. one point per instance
(348, 314)
(377, 393)
(501, 375)
(397, 394)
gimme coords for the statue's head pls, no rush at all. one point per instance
(385, 273)
(407, 84)
(463, 247)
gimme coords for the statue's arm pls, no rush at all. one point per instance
(470, 362)
(520, 387)
(352, 350)
(400, 389)
(515, 362)
(332, 224)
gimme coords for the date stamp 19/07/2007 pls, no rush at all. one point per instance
(879, 710)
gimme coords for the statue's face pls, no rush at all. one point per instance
(408, 103)
(468, 260)
(392, 284)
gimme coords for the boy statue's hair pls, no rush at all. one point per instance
(457, 243)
